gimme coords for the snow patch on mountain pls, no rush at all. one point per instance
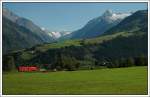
(42, 28)
(116, 16)
(55, 34)
(59, 34)
(111, 16)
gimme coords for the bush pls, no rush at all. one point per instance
(8, 63)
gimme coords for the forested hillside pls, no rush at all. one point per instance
(120, 48)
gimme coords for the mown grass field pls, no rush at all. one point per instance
(132, 80)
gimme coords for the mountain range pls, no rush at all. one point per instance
(126, 39)
(99, 25)
(21, 33)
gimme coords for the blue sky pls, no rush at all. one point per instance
(67, 16)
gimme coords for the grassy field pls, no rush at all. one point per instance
(131, 80)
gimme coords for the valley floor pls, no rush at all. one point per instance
(132, 80)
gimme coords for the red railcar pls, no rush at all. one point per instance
(27, 68)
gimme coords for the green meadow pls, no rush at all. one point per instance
(119, 81)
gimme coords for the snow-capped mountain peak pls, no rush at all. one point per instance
(99, 25)
(111, 16)
(116, 16)
(107, 13)
(55, 34)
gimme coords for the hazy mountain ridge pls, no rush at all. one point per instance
(19, 33)
(16, 37)
(27, 24)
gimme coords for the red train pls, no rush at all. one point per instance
(27, 68)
